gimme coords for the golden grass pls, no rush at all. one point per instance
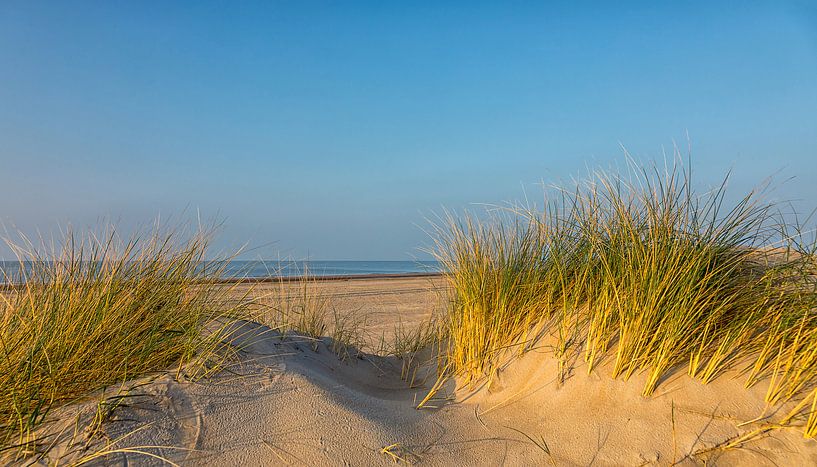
(94, 312)
(303, 310)
(641, 270)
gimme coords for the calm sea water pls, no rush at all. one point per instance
(261, 269)
(255, 269)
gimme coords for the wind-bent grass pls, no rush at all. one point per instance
(641, 270)
(97, 312)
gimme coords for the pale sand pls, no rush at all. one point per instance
(382, 303)
(285, 403)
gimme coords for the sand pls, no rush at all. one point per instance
(289, 402)
(382, 303)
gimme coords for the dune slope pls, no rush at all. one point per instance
(292, 401)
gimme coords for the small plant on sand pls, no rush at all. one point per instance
(299, 307)
(397, 453)
(347, 334)
(302, 308)
(98, 311)
(409, 343)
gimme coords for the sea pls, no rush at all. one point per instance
(260, 269)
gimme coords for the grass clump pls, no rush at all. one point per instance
(303, 309)
(300, 307)
(93, 312)
(308, 310)
(644, 271)
(495, 276)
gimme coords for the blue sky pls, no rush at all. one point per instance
(333, 129)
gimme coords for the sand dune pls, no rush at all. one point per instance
(292, 401)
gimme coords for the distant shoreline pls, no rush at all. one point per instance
(336, 277)
(301, 278)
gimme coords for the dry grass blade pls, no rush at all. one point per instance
(540, 443)
(397, 453)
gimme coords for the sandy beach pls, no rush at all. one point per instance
(294, 401)
(382, 302)
(404, 233)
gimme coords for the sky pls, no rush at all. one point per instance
(335, 130)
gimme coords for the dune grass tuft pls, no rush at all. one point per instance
(643, 271)
(92, 312)
(303, 309)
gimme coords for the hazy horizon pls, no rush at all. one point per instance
(332, 131)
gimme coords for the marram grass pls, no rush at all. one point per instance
(94, 312)
(641, 271)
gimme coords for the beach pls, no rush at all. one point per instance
(379, 302)
(289, 400)
(394, 233)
